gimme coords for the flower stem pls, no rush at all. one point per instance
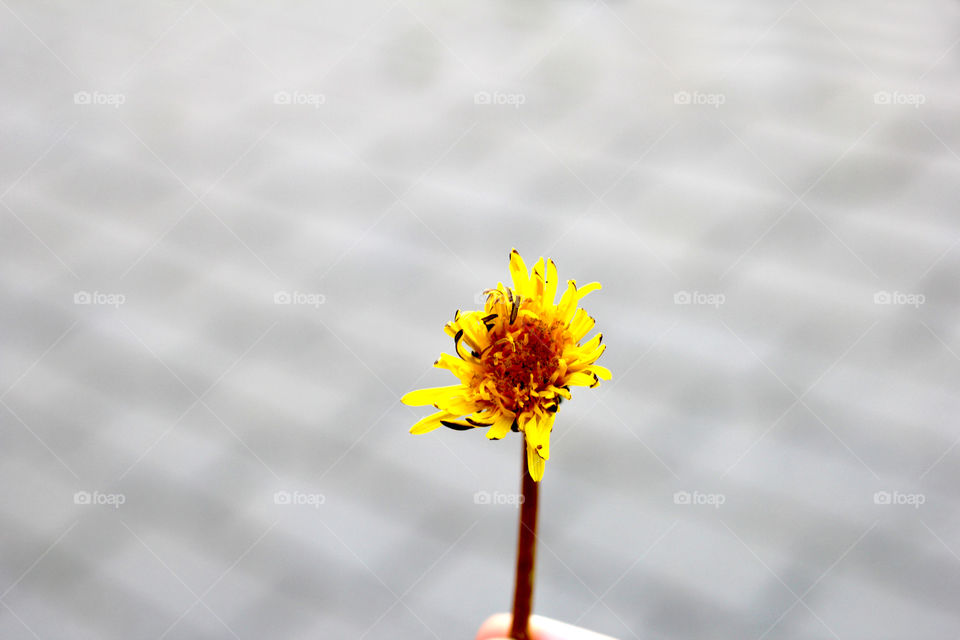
(526, 552)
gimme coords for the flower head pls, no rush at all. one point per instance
(516, 360)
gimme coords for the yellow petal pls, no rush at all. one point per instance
(538, 434)
(565, 393)
(550, 290)
(458, 405)
(483, 417)
(581, 357)
(520, 274)
(535, 463)
(538, 281)
(602, 372)
(568, 297)
(596, 353)
(571, 297)
(592, 343)
(424, 397)
(474, 331)
(431, 422)
(588, 288)
(500, 428)
(460, 368)
(523, 420)
(581, 379)
(581, 325)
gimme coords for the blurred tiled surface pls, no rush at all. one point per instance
(794, 158)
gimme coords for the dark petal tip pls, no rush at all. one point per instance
(456, 426)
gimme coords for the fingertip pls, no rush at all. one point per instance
(496, 627)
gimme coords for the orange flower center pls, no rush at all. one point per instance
(521, 362)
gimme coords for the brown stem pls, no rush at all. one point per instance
(526, 552)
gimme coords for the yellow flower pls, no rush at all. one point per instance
(516, 360)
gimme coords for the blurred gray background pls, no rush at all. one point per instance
(232, 233)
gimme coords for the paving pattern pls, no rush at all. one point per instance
(232, 232)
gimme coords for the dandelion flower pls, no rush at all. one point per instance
(516, 360)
